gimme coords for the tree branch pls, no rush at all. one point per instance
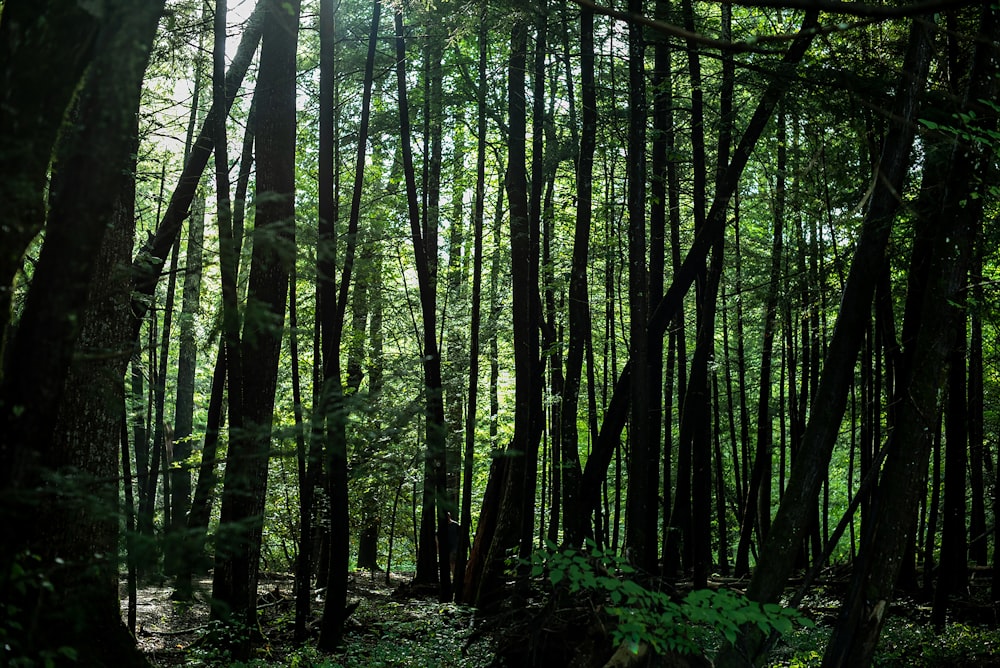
(869, 14)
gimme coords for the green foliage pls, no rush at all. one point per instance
(806, 660)
(414, 633)
(974, 130)
(24, 581)
(802, 648)
(387, 634)
(654, 617)
(903, 642)
(907, 643)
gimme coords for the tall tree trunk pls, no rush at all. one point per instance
(51, 42)
(978, 456)
(576, 521)
(433, 555)
(794, 513)
(933, 315)
(953, 576)
(176, 548)
(230, 240)
(365, 288)
(333, 307)
(455, 299)
(641, 506)
(148, 263)
(489, 510)
(478, 214)
(757, 503)
(162, 432)
(60, 432)
(309, 469)
(662, 138)
(432, 552)
(245, 486)
(180, 472)
(668, 306)
(512, 524)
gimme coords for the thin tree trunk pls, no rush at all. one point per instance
(309, 469)
(128, 495)
(904, 472)
(933, 511)
(147, 263)
(333, 300)
(461, 557)
(432, 564)
(666, 310)
(184, 404)
(158, 383)
(576, 522)
(978, 534)
(719, 483)
(486, 525)
(953, 576)
(176, 548)
(230, 236)
(641, 506)
(794, 513)
(51, 42)
(516, 487)
(757, 508)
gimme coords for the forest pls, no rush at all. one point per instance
(596, 332)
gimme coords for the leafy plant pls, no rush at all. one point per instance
(907, 643)
(24, 583)
(652, 617)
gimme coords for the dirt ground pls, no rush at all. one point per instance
(167, 631)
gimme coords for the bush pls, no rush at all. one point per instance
(654, 618)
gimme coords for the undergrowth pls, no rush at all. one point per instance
(644, 616)
(388, 634)
(902, 644)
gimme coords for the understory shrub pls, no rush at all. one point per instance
(655, 618)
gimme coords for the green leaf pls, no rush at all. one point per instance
(782, 625)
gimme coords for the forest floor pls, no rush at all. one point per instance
(395, 625)
(391, 626)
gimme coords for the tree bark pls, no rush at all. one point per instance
(953, 576)
(478, 214)
(934, 315)
(61, 431)
(576, 522)
(794, 514)
(511, 523)
(147, 264)
(757, 502)
(51, 42)
(668, 306)
(333, 307)
(432, 558)
(245, 486)
(641, 508)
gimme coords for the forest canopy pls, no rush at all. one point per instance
(467, 290)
